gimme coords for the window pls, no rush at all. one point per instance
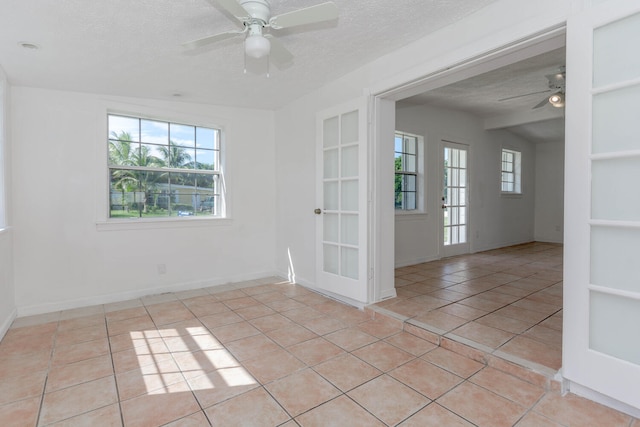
(407, 171)
(160, 169)
(511, 172)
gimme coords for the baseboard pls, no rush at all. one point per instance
(501, 245)
(405, 263)
(30, 310)
(6, 324)
(549, 240)
(603, 399)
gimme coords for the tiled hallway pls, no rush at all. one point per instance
(507, 302)
(264, 353)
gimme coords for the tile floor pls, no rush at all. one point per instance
(506, 302)
(263, 353)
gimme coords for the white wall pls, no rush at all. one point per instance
(494, 220)
(7, 299)
(62, 260)
(549, 213)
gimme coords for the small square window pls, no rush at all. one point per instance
(511, 169)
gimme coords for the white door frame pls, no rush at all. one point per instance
(460, 248)
(384, 97)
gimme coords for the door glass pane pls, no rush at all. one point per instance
(613, 326)
(349, 265)
(349, 128)
(350, 161)
(331, 258)
(349, 230)
(453, 219)
(331, 227)
(462, 234)
(454, 235)
(615, 120)
(350, 195)
(615, 191)
(615, 258)
(463, 159)
(612, 62)
(331, 196)
(330, 132)
(463, 215)
(331, 163)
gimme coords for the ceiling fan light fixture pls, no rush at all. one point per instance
(257, 46)
(557, 100)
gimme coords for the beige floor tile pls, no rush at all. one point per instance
(388, 399)
(579, 412)
(347, 371)
(38, 319)
(534, 351)
(463, 311)
(139, 357)
(335, 412)
(551, 337)
(350, 339)
(80, 322)
(199, 419)
(128, 342)
(435, 415)
(76, 336)
(535, 420)
(482, 334)
(380, 328)
(508, 386)
(254, 311)
(23, 413)
(159, 407)
(287, 391)
(272, 366)
(192, 342)
(24, 364)
(169, 312)
(22, 387)
(323, 325)
(108, 416)
(148, 379)
(285, 304)
(270, 322)
(482, 407)
(127, 313)
(78, 399)
(291, 335)
(426, 378)
(247, 348)
(440, 320)
(222, 384)
(383, 356)
(315, 351)
(76, 352)
(234, 331)
(255, 405)
(134, 324)
(220, 319)
(507, 324)
(410, 343)
(238, 303)
(63, 376)
(453, 362)
(25, 344)
(194, 364)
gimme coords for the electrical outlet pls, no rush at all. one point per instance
(162, 268)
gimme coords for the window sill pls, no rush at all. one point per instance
(511, 195)
(150, 224)
(410, 215)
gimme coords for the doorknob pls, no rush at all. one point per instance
(317, 211)
(444, 206)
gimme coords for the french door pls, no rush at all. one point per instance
(341, 213)
(455, 199)
(601, 346)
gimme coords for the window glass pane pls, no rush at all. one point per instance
(463, 159)
(350, 195)
(174, 156)
(122, 152)
(330, 135)
(399, 197)
(611, 60)
(410, 144)
(182, 135)
(349, 262)
(398, 145)
(615, 258)
(205, 159)
(349, 129)
(350, 161)
(206, 138)
(398, 162)
(410, 201)
(330, 258)
(149, 155)
(409, 183)
(154, 132)
(331, 227)
(331, 163)
(124, 128)
(615, 120)
(331, 196)
(614, 189)
(349, 229)
(410, 163)
(613, 321)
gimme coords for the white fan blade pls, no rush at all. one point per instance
(279, 55)
(309, 15)
(523, 95)
(542, 103)
(195, 44)
(232, 7)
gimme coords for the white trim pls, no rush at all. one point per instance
(615, 155)
(155, 223)
(6, 324)
(590, 394)
(616, 292)
(147, 290)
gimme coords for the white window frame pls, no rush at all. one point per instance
(105, 223)
(511, 171)
(419, 174)
(3, 147)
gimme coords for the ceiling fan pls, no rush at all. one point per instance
(255, 18)
(556, 84)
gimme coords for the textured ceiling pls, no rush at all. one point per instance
(483, 95)
(133, 48)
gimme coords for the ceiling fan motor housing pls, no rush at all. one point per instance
(257, 9)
